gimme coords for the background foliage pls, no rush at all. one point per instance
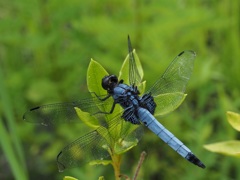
(46, 46)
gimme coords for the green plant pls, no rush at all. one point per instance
(116, 145)
(232, 147)
(123, 136)
(9, 139)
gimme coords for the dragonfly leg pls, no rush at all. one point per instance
(102, 112)
(129, 115)
(102, 99)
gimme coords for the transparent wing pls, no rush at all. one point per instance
(134, 76)
(92, 146)
(65, 112)
(176, 76)
(85, 149)
(117, 137)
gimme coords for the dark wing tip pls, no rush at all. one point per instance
(32, 109)
(180, 53)
(60, 165)
(187, 51)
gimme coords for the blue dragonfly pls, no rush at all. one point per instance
(136, 109)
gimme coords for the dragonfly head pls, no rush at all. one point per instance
(109, 82)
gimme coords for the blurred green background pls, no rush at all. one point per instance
(45, 49)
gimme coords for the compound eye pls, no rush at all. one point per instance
(105, 82)
(109, 82)
(113, 79)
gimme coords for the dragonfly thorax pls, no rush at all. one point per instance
(125, 95)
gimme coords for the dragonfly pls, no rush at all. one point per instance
(137, 110)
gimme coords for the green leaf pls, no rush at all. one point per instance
(69, 178)
(95, 74)
(101, 178)
(114, 142)
(138, 63)
(124, 71)
(128, 131)
(231, 148)
(89, 120)
(168, 102)
(102, 162)
(234, 120)
(124, 146)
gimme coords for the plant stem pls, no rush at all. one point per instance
(116, 163)
(142, 157)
